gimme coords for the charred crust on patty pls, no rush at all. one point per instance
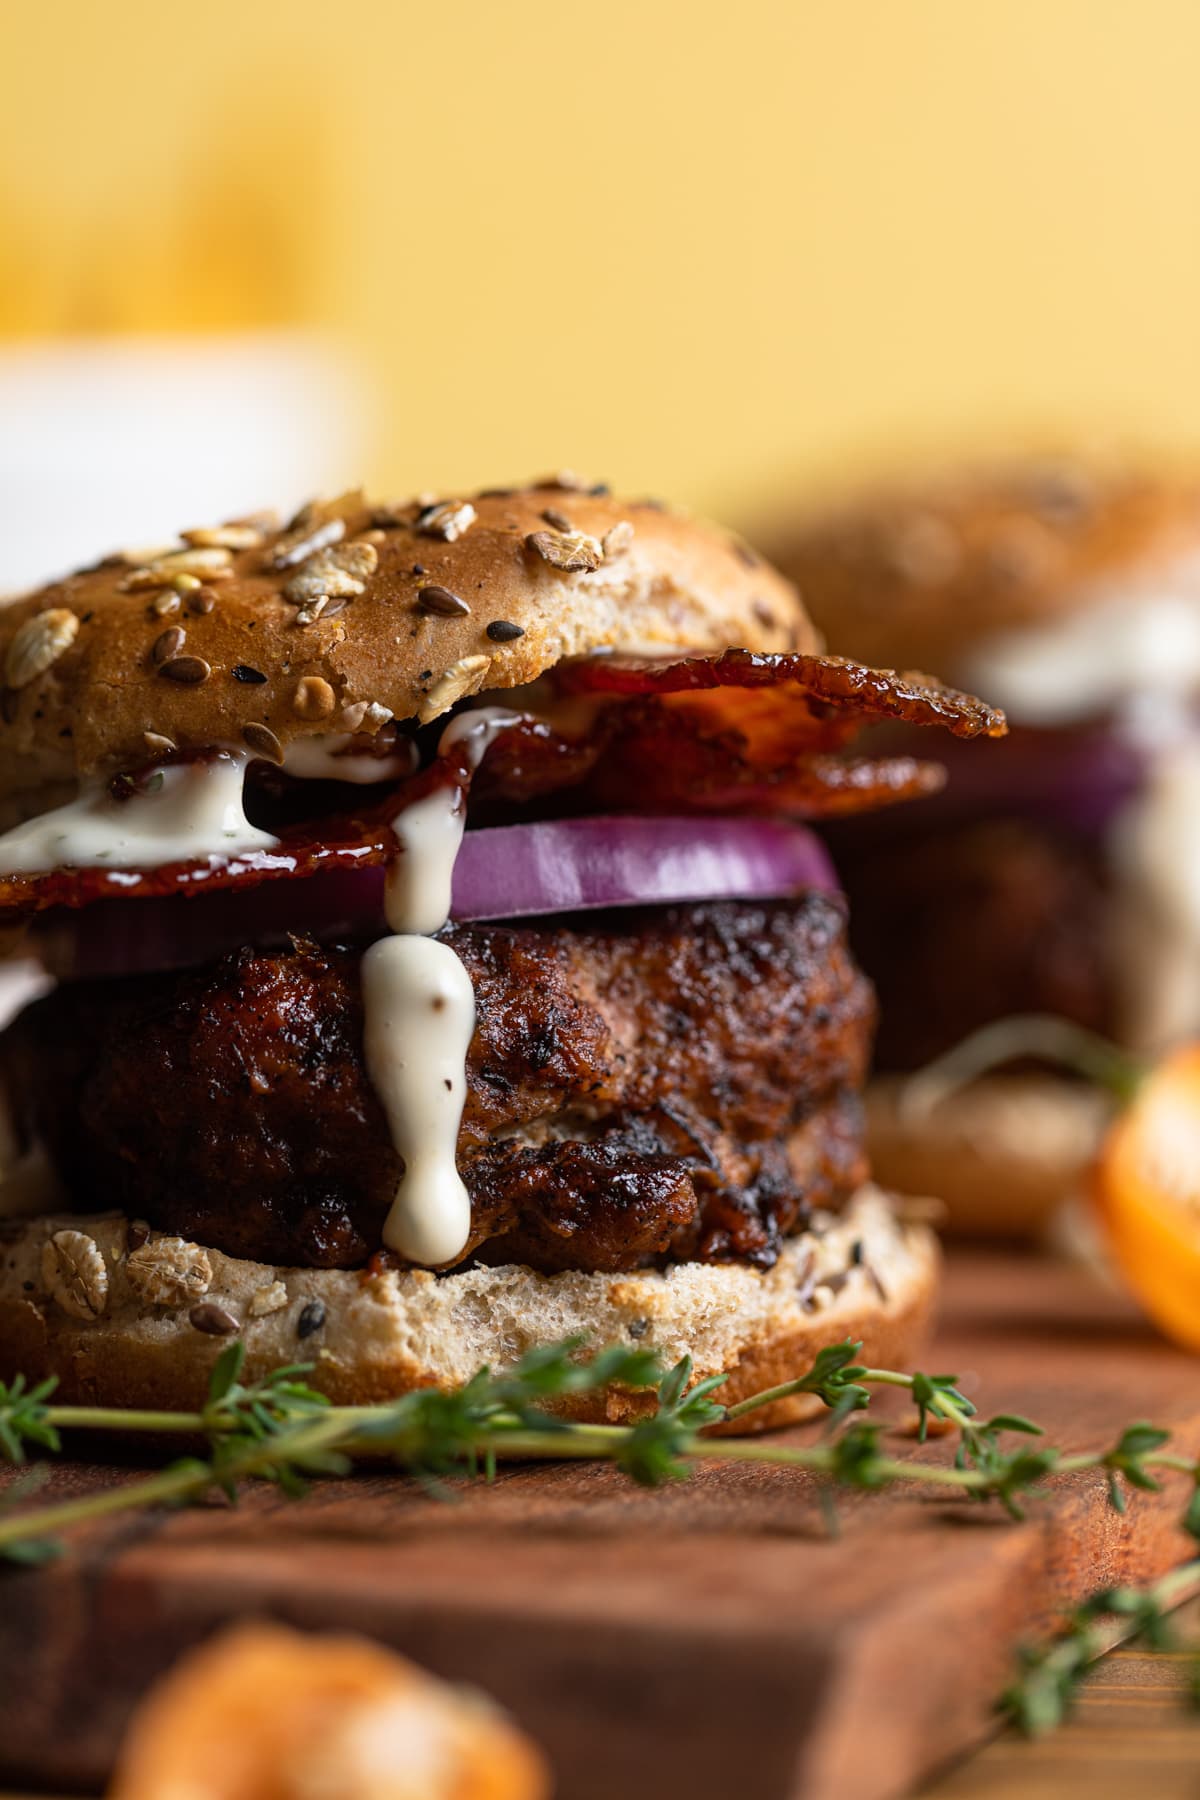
(672, 1085)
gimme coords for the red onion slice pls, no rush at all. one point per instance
(503, 872)
(573, 865)
(1079, 779)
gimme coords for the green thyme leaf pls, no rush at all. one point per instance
(24, 1420)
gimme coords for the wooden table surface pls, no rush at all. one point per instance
(1031, 1331)
(1132, 1733)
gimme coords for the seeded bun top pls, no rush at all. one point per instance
(355, 613)
(918, 576)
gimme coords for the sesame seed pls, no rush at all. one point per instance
(418, 568)
(243, 672)
(262, 740)
(157, 743)
(188, 670)
(503, 631)
(440, 600)
(201, 600)
(558, 519)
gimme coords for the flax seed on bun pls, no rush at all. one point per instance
(354, 613)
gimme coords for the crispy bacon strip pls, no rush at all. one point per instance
(738, 733)
(832, 687)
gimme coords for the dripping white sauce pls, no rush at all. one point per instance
(185, 812)
(416, 897)
(419, 1009)
(189, 811)
(420, 1014)
(326, 758)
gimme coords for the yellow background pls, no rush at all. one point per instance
(711, 250)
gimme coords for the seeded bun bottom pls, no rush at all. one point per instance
(1002, 1156)
(372, 1337)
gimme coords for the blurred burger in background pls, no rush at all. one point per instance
(1059, 874)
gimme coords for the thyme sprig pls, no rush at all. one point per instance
(283, 1431)
(270, 1429)
(1048, 1677)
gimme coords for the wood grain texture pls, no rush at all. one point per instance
(702, 1640)
(1131, 1733)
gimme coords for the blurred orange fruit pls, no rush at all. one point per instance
(1147, 1190)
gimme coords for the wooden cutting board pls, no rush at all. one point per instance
(701, 1641)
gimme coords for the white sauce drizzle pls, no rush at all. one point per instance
(187, 812)
(195, 811)
(416, 897)
(325, 758)
(420, 1015)
(419, 1010)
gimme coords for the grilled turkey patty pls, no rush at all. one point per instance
(671, 1084)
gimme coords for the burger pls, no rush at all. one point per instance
(443, 967)
(1060, 876)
